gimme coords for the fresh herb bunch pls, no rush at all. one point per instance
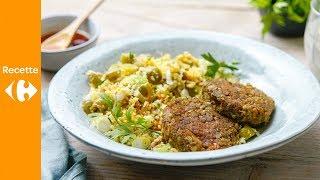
(219, 68)
(278, 10)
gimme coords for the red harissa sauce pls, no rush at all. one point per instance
(77, 39)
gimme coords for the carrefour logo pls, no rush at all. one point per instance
(21, 88)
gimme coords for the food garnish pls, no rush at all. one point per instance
(219, 68)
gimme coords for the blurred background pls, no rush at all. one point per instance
(119, 18)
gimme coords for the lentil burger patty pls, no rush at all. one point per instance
(243, 103)
(192, 124)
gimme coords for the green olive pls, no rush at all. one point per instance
(193, 91)
(86, 105)
(154, 76)
(99, 106)
(247, 132)
(95, 79)
(113, 75)
(146, 90)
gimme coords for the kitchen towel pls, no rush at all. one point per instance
(58, 159)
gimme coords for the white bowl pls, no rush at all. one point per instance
(292, 86)
(54, 60)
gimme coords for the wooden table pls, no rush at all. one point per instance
(299, 159)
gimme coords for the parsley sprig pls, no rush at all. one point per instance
(276, 11)
(219, 67)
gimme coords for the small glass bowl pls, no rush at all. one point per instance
(312, 38)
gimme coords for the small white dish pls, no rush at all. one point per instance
(292, 86)
(55, 60)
